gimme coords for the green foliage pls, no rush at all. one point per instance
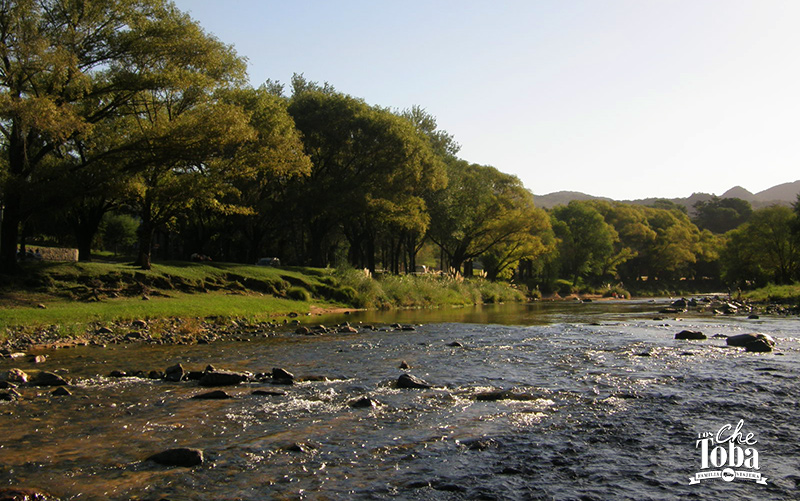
(393, 291)
(720, 215)
(564, 287)
(585, 240)
(767, 248)
(298, 294)
(484, 212)
(118, 232)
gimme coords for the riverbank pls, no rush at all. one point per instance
(51, 301)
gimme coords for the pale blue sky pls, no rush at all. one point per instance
(617, 98)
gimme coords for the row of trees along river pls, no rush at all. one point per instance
(126, 118)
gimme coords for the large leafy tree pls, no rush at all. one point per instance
(66, 66)
(271, 159)
(585, 240)
(764, 249)
(674, 251)
(483, 210)
(370, 168)
(720, 215)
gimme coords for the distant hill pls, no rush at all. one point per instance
(563, 198)
(782, 194)
(786, 192)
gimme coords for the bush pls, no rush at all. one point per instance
(564, 287)
(298, 294)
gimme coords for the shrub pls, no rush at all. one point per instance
(298, 294)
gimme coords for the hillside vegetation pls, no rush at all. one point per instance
(81, 293)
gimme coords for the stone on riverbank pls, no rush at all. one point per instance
(181, 456)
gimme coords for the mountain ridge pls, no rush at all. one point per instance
(781, 194)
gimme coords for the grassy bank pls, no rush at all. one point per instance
(784, 294)
(82, 293)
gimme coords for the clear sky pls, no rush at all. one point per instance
(617, 98)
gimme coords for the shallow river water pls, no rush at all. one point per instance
(609, 406)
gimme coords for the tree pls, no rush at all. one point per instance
(675, 247)
(720, 215)
(483, 210)
(118, 230)
(765, 248)
(585, 240)
(370, 167)
(268, 162)
(65, 66)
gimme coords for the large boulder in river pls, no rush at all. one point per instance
(282, 376)
(412, 382)
(48, 379)
(181, 456)
(21, 494)
(174, 373)
(755, 342)
(223, 378)
(690, 335)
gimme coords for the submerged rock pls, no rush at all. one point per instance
(695, 335)
(15, 376)
(223, 378)
(23, 494)
(61, 392)
(760, 345)
(412, 382)
(753, 342)
(491, 396)
(300, 447)
(174, 373)
(282, 376)
(269, 393)
(364, 402)
(181, 456)
(49, 379)
(9, 396)
(213, 395)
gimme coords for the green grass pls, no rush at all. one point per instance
(775, 293)
(84, 293)
(180, 305)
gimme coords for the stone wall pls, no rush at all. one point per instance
(55, 253)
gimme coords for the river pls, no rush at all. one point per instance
(605, 404)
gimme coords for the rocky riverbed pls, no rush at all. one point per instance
(558, 401)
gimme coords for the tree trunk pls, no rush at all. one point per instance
(9, 232)
(146, 232)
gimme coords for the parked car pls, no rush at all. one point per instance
(268, 261)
